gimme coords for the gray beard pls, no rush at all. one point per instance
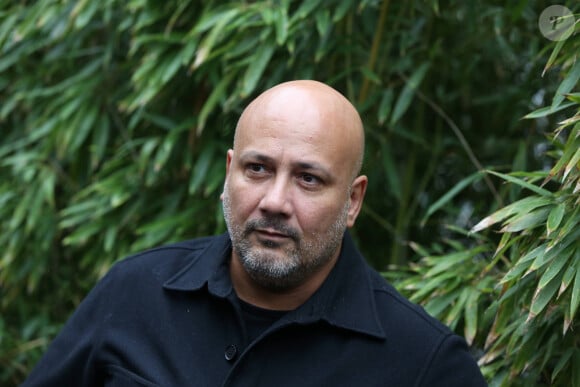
(301, 259)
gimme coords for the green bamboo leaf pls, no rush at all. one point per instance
(200, 169)
(555, 217)
(522, 183)
(159, 229)
(99, 142)
(524, 263)
(88, 74)
(570, 148)
(9, 105)
(341, 10)
(391, 170)
(148, 81)
(214, 179)
(169, 67)
(76, 213)
(546, 111)
(19, 214)
(408, 92)
(146, 150)
(574, 97)
(34, 211)
(83, 12)
(256, 68)
(556, 266)
(305, 10)
(445, 262)
(217, 94)
(48, 186)
(243, 48)
(553, 55)
(218, 26)
(568, 228)
(212, 17)
(457, 188)
(267, 14)
(160, 159)
(323, 22)
(569, 274)
(543, 295)
(569, 121)
(385, 105)
(567, 85)
(7, 27)
(526, 221)
(419, 249)
(521, 206)
(160, 121)
(82, 125)
(573, 164)
(110, 235)
(82, 234)
(552, 252)
(281, 24)
(162, 155)
(563, 362)
(575, 298)
(471, 315)
(430, 286)
(506, 241)
(437, 305)
(456, 312)
(371, 75)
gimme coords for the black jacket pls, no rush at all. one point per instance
(170, 317)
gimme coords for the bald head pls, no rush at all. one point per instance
(315, 111)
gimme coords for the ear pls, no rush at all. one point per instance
(229, 158)
(357, 194)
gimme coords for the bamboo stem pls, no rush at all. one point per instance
(374, 51)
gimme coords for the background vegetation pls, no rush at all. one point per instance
(115, 117)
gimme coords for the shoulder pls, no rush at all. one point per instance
(399, 313)
(170, 251)
(443, 357)
(160, 262)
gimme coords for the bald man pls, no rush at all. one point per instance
(284, 298)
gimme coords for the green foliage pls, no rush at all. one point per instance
(518, 299)
(115, 117)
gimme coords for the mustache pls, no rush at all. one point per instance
(273, 223)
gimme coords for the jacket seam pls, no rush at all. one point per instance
(425, 317)
(431, 359)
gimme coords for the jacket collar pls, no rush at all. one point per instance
(344, 300)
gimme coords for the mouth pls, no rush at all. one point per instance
(270, 233)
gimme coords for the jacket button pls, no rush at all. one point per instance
(231, 352)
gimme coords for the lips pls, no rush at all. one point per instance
(270, 233)
(271, 229)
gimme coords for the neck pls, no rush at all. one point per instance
(251, 292)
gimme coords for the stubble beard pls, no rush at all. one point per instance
(280, 268)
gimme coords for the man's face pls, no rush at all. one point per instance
(287, 194)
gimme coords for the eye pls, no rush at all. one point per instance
(256, 170)
(310, 180)
(256, 167)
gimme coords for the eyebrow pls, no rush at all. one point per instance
(256, 156)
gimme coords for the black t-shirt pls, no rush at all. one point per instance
(257, 319)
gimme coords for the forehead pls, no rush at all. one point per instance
(302, 123)
(298, 132)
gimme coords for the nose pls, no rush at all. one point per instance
(276, 198)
